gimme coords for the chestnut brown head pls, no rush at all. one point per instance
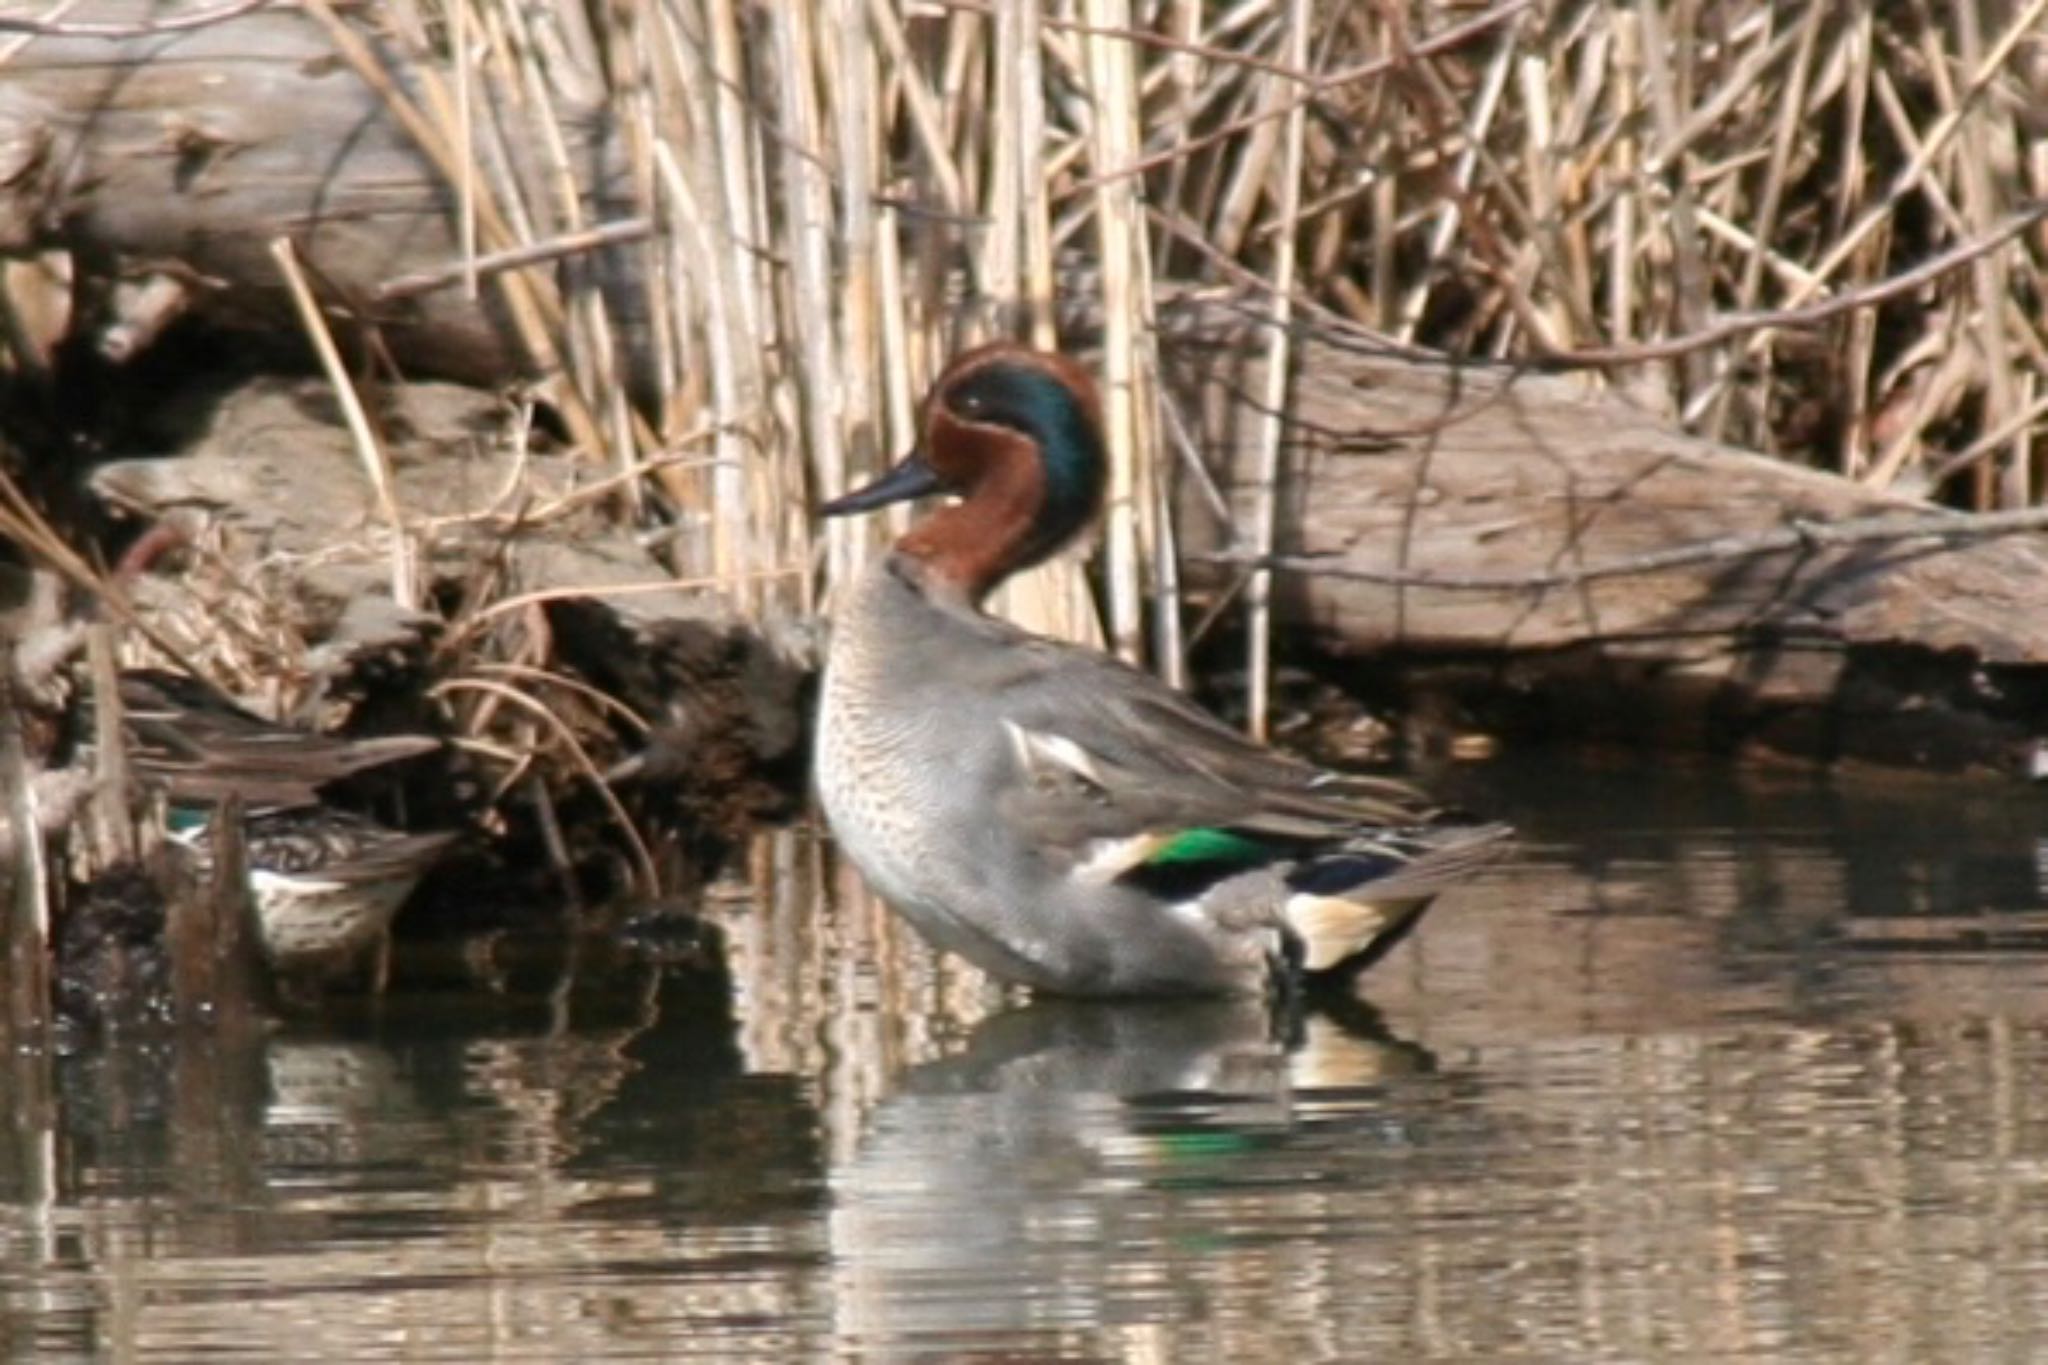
(1017, 435)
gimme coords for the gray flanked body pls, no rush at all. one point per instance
(915, 768)
(994, 788)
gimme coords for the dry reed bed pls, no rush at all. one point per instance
(1638, 188)
(835, 196)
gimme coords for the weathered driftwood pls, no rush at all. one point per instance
(275, 492)
(171, 161)
(1470, 529)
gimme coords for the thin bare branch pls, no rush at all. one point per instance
(1796, 536)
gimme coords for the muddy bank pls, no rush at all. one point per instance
(537, 721)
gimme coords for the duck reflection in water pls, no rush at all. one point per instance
(1048, 1179)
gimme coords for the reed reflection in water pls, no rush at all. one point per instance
(1714, 1068)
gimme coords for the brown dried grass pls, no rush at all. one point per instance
(1567, 182)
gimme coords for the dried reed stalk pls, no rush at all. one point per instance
(26, 927)
(837, 197)
(369, 449)
(845, 194)
(1272, 426)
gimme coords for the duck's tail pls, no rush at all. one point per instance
(1350, 906)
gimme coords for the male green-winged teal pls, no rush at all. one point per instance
(1052, 815)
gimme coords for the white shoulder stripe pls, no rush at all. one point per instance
(1036, 750)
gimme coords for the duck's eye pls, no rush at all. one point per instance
(969, 404)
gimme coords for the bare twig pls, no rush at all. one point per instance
(376, 461)
(643, 860)
(1798, 535)
(178, 23)
(1813, 314)
(1448, 39)
(490, 263)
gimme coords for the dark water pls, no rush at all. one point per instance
(1718, 1068)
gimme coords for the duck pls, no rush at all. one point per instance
(1060, 819)
(191, 742)
(325, 882)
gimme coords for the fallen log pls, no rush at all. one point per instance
(168, 162)
(1535, 554)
